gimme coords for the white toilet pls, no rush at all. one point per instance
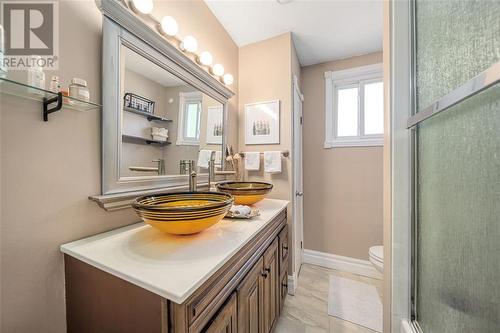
(376, 254)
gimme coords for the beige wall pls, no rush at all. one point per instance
(265, 72)
(49, 169)
(342, 186)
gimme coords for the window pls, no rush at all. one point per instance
(354, 107)
(189, 118)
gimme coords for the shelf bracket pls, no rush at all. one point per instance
(48, 101)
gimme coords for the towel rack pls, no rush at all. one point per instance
(284, 153)
(484, 80)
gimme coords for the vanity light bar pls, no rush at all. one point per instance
(168, 27)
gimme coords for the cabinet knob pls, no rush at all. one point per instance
(264, 274)
(268, 269)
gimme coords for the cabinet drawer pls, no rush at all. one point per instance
(283, 248)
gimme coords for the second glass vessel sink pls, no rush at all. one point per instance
(246, 193)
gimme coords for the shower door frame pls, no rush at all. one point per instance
(403, 165)
(414, 172)
(404, 55)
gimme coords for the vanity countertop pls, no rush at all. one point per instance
(168, 265)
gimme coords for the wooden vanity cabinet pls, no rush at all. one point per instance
(245, 295)
(259, 294)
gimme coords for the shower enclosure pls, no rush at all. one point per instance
(455, 166)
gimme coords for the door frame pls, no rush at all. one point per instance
(298, 230)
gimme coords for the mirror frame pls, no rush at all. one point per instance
(122, 27)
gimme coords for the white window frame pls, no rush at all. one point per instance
(186, 97)
(358, 76)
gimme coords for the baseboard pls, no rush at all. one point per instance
(341, 263)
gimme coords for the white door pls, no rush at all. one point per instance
(298, 194)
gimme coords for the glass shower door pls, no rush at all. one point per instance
(456, 255)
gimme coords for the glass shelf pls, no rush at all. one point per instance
(149, 116)
(19, 89)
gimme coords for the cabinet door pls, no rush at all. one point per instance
(271, 286)
(251, 300)
(226, 320)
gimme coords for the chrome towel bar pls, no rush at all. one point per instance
(484, 80)
(284, 153)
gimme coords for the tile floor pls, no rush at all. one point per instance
(307, 311)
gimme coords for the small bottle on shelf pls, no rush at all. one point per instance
(55, 85)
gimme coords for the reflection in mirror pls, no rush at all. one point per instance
(166, 123)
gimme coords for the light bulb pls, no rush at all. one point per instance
(228, 79)
(169, 26)
(206, 58)
(143, 6)
(189, 44)
(218, 70)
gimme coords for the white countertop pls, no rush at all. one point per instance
(168, 265)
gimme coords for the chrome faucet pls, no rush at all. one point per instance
(212, 172)
(192, 176)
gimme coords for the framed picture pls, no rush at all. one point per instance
(262, 123)
(214, 125)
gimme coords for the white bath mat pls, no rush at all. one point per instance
(356, 302)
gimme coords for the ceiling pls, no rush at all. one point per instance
(142, 66)
(322, 29)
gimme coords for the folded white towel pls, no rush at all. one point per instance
(240, 210)
(159, 138)
(252, 160)
(159, 131)
(204, 158)
(272, 161)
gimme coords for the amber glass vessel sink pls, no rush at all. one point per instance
(183, 213)
(246, 193)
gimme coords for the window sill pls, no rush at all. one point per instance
(376, 142)
(187, 143)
